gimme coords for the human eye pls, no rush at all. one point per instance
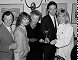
(58, 15)
(11, 19)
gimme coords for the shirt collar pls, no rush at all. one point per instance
(9, 28)
(6, 26)
(51, 16)
(22, 26)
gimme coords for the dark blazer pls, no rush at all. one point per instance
(47, 24)
(5, 40)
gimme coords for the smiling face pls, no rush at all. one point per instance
(52, 10)
(8, 20)
(34, 19)
(61, 18)
(25, 21)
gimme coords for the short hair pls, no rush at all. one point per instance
(65, 14)
(36, 12)
(51, 3)
(7, 13)
(20, 17)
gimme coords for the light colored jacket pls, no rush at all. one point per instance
(65, 41)
(6, 40)
(21, 40)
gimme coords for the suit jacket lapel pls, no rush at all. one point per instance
(8, 33)
(50, 20)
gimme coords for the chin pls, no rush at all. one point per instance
(53, 14)
(26, 24)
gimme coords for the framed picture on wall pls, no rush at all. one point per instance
(44, 6)
(74, 13)
(14, 8)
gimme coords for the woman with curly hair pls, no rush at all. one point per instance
(20, 37)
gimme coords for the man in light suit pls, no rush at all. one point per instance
(6, 38)
(49, 24)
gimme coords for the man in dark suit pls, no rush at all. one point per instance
(6, 38)
(49, 24)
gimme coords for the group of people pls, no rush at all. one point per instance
(52, 39)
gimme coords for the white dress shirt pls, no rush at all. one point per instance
(52, 18)
(9, 28)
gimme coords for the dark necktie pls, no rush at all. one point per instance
(55, 22)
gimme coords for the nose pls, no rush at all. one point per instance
(28, 20)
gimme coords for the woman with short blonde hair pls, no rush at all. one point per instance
(64, 41)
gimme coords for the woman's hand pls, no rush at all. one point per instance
(23, 53)
(53, 42)
(41, 41)
(13, 46)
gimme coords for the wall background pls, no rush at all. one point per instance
(26, 9)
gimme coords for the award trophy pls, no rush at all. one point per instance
(46, 33)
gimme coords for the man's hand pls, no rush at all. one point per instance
(41, 41)
(32, 39)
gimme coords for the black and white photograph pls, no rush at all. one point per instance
(38, 30)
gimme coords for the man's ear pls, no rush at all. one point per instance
(48, 10)
(3, 18)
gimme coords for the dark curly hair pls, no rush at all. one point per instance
(7, 13)
(20, 17)
(51, 3)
